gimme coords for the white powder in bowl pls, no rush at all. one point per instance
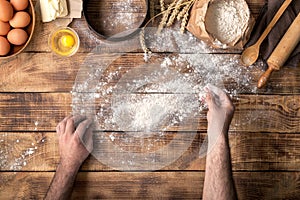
(226, 20)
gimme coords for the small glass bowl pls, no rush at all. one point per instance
(64, 41)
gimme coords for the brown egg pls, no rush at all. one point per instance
(21, 19)
(4, 28)
(17, 36)
(4, 46)
(19, 4)
(6, 11)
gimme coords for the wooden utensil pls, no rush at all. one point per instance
(282, 51)
(250, 55)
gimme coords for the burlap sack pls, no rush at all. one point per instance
(197, 27)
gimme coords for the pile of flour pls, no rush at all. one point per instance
(133, 110)
(226, 20)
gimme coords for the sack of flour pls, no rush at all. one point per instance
(221, 23)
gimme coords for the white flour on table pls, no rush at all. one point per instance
(151, 99)
(127, 15)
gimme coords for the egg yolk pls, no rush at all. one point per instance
(67, 41)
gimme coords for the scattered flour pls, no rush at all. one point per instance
(227, 20)
(12, 157)
(127, 16)
(134, 111)
(128, 101)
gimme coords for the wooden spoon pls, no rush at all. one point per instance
(250, 55)
(282, 51)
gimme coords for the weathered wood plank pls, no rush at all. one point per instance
(150, 185)
(254, 113)
(38, 151)
(33, 111)
(44, 72)
(38, 72)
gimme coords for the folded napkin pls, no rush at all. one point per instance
(271, 41)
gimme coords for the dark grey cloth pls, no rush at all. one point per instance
(271, 41)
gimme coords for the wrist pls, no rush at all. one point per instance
(69, 167)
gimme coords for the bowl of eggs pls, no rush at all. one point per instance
(17, 20)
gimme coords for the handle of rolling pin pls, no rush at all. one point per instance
(282, 51)
(265, 77)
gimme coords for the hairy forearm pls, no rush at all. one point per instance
(218, 183)
(62, 183)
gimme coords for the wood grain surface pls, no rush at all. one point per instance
(35, 94)
(20, 111)
(45, 72)
(249, 152)
(152, 185)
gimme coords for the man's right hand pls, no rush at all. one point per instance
(220, 110)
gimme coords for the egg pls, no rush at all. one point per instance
(4, 46)
(17, 36)
(19, 5)
(6, 11)
(4, 28)
(21, 19)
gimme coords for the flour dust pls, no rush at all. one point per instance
(127, 15)
(139, 104)
(14, 155)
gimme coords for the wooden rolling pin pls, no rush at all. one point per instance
(282, 51)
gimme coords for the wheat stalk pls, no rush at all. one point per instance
(176, 5)
(162, 5)
(143, 42)
(166, 14)
(185, 18)
(183, 11)
(174, 13)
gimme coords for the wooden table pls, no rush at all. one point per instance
(35, 95)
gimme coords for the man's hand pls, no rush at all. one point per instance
(218, 182)
(220, 110)
(75, 137)
(75, 140)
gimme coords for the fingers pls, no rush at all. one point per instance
(61, 127)
(85, 133)
(70, 128)
(217, 91)
(83, 127)
(69, 123)
(216, 96)
(218, 101)
(208, 97)
(211, 98)
(89, 139)
(73, 122)
(78, 119)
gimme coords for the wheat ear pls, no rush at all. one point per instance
(183, 11)
(185, 18)
(166, 14)
(174, 13)
(162, 5)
